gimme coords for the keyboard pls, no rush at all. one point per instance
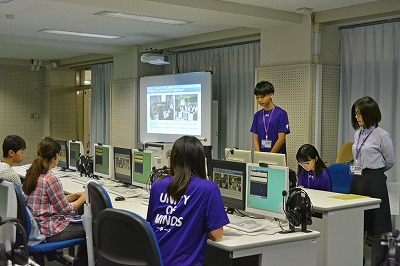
(62, 173)
(81, 179)
(125, 191)
(245, 224)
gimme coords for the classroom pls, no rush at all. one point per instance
(302, 49)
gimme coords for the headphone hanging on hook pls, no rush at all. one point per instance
(19, 251)
(298, 208)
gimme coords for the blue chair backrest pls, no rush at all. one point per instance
(341, 178)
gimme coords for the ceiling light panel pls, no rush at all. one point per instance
(80, 34)
(142, 18)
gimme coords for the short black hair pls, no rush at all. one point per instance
(14, 143)
(369, 111)
(306, 153)
(264, 88)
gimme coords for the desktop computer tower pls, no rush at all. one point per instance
(161, 153)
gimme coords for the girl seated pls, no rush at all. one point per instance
(185, 208)
(312, 171)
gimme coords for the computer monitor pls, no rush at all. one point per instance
(75, 151)
(103, 161)
(264, 190)
(231, 179)
(236, 155)
(123, 165)
(269, 158)
(64, 156)
(142, 167)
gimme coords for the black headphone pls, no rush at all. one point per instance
(84, 164)
(298, 207)
(19, 251)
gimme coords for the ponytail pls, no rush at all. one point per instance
(46, 151)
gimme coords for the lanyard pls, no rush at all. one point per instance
(269, 120)
(358, 148)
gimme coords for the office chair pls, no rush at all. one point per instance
(292, 179)
(97, 199)
(341, 178)
(125, 238)
(345, 153)
(39, 250)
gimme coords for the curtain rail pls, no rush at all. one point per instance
(369, 23)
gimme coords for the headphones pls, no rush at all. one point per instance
(298, 207)
(19, 252)
(84, 164)
(157, 172)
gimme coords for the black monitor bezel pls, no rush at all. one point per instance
(61, 163)
(118, 177)
(236, 166)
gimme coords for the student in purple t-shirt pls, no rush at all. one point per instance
(185, 209)
(271, 123)
(312, 171)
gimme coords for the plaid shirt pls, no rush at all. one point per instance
(49, 206)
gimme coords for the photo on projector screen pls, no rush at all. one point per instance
(174, 109)
(175, 105)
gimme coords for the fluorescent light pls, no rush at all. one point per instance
(81, 34)
(142, 18)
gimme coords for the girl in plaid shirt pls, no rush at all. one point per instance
(45, 196)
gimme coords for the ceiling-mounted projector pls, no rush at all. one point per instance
(154, 59)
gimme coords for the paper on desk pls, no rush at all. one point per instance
(348, 197)
(394, 190)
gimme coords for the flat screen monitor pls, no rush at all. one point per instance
(103, 161)
(64, 156)
(235, 155)
(231, 179)
(75, 151)
(142, 167)
(123, 165)
(175, 105)
(264, 190)
(269, 158)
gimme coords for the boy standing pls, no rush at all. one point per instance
(271, 123)
(13, 153)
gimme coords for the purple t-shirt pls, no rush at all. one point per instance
(276, 121)
(182, 228)
(308, 179)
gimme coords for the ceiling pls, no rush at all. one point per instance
(22, 20)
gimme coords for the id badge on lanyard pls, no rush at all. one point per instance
(267, 143)
(355, 169)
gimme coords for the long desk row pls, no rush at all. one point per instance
(276, 249)
(339, 221)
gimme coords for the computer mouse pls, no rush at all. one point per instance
(119, 198)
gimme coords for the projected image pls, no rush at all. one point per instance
(162, 107)
(174, 109)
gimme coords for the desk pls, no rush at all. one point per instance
(279, 249)
(341, 225)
